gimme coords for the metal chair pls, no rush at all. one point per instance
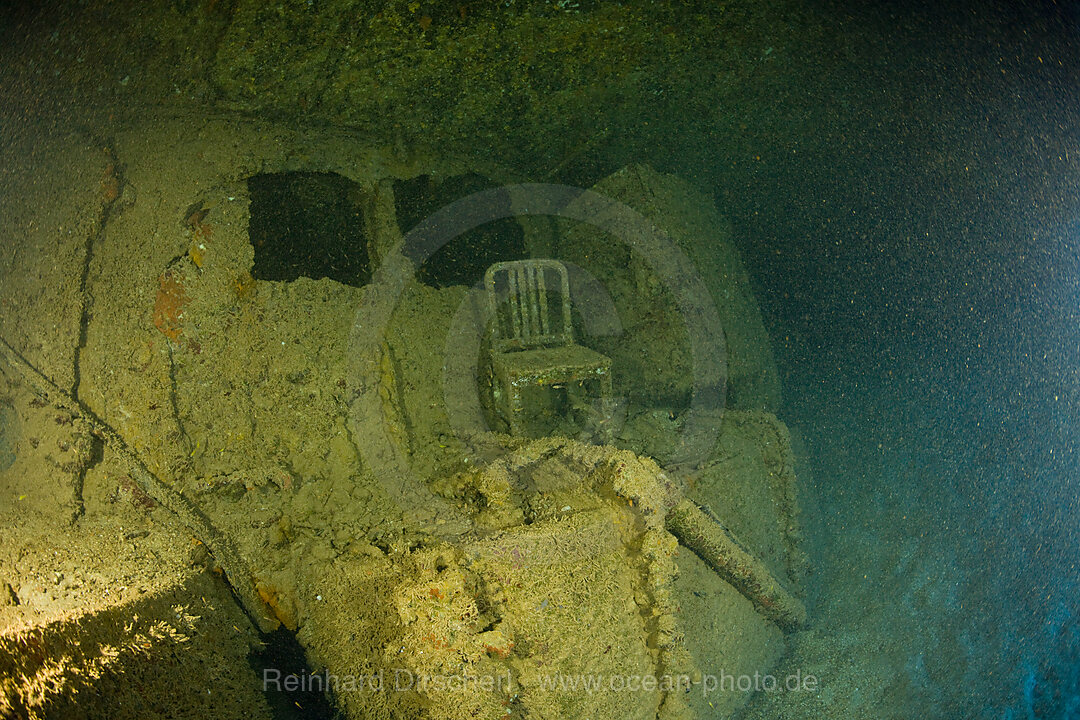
(532, 342)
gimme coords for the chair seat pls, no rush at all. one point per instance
(550, 365)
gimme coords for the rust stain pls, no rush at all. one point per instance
(282, 609)
(110, 183)
(201, 232)
(170, 303)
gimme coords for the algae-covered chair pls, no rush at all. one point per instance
(532, 342)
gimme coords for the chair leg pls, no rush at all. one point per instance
(514, 407)
(607, 409)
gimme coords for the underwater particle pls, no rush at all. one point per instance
(169, 305)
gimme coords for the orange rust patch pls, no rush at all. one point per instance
(201, 232)
(244, 286)
(501, 652)
(195, 215)
(110, 183)
(282, 610)
(169, 306)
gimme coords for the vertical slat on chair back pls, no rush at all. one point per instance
(528, 320)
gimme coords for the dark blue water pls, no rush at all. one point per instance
(915, 238)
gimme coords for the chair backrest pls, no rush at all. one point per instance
(530, 304)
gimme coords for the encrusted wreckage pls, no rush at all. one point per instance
(211, 441)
